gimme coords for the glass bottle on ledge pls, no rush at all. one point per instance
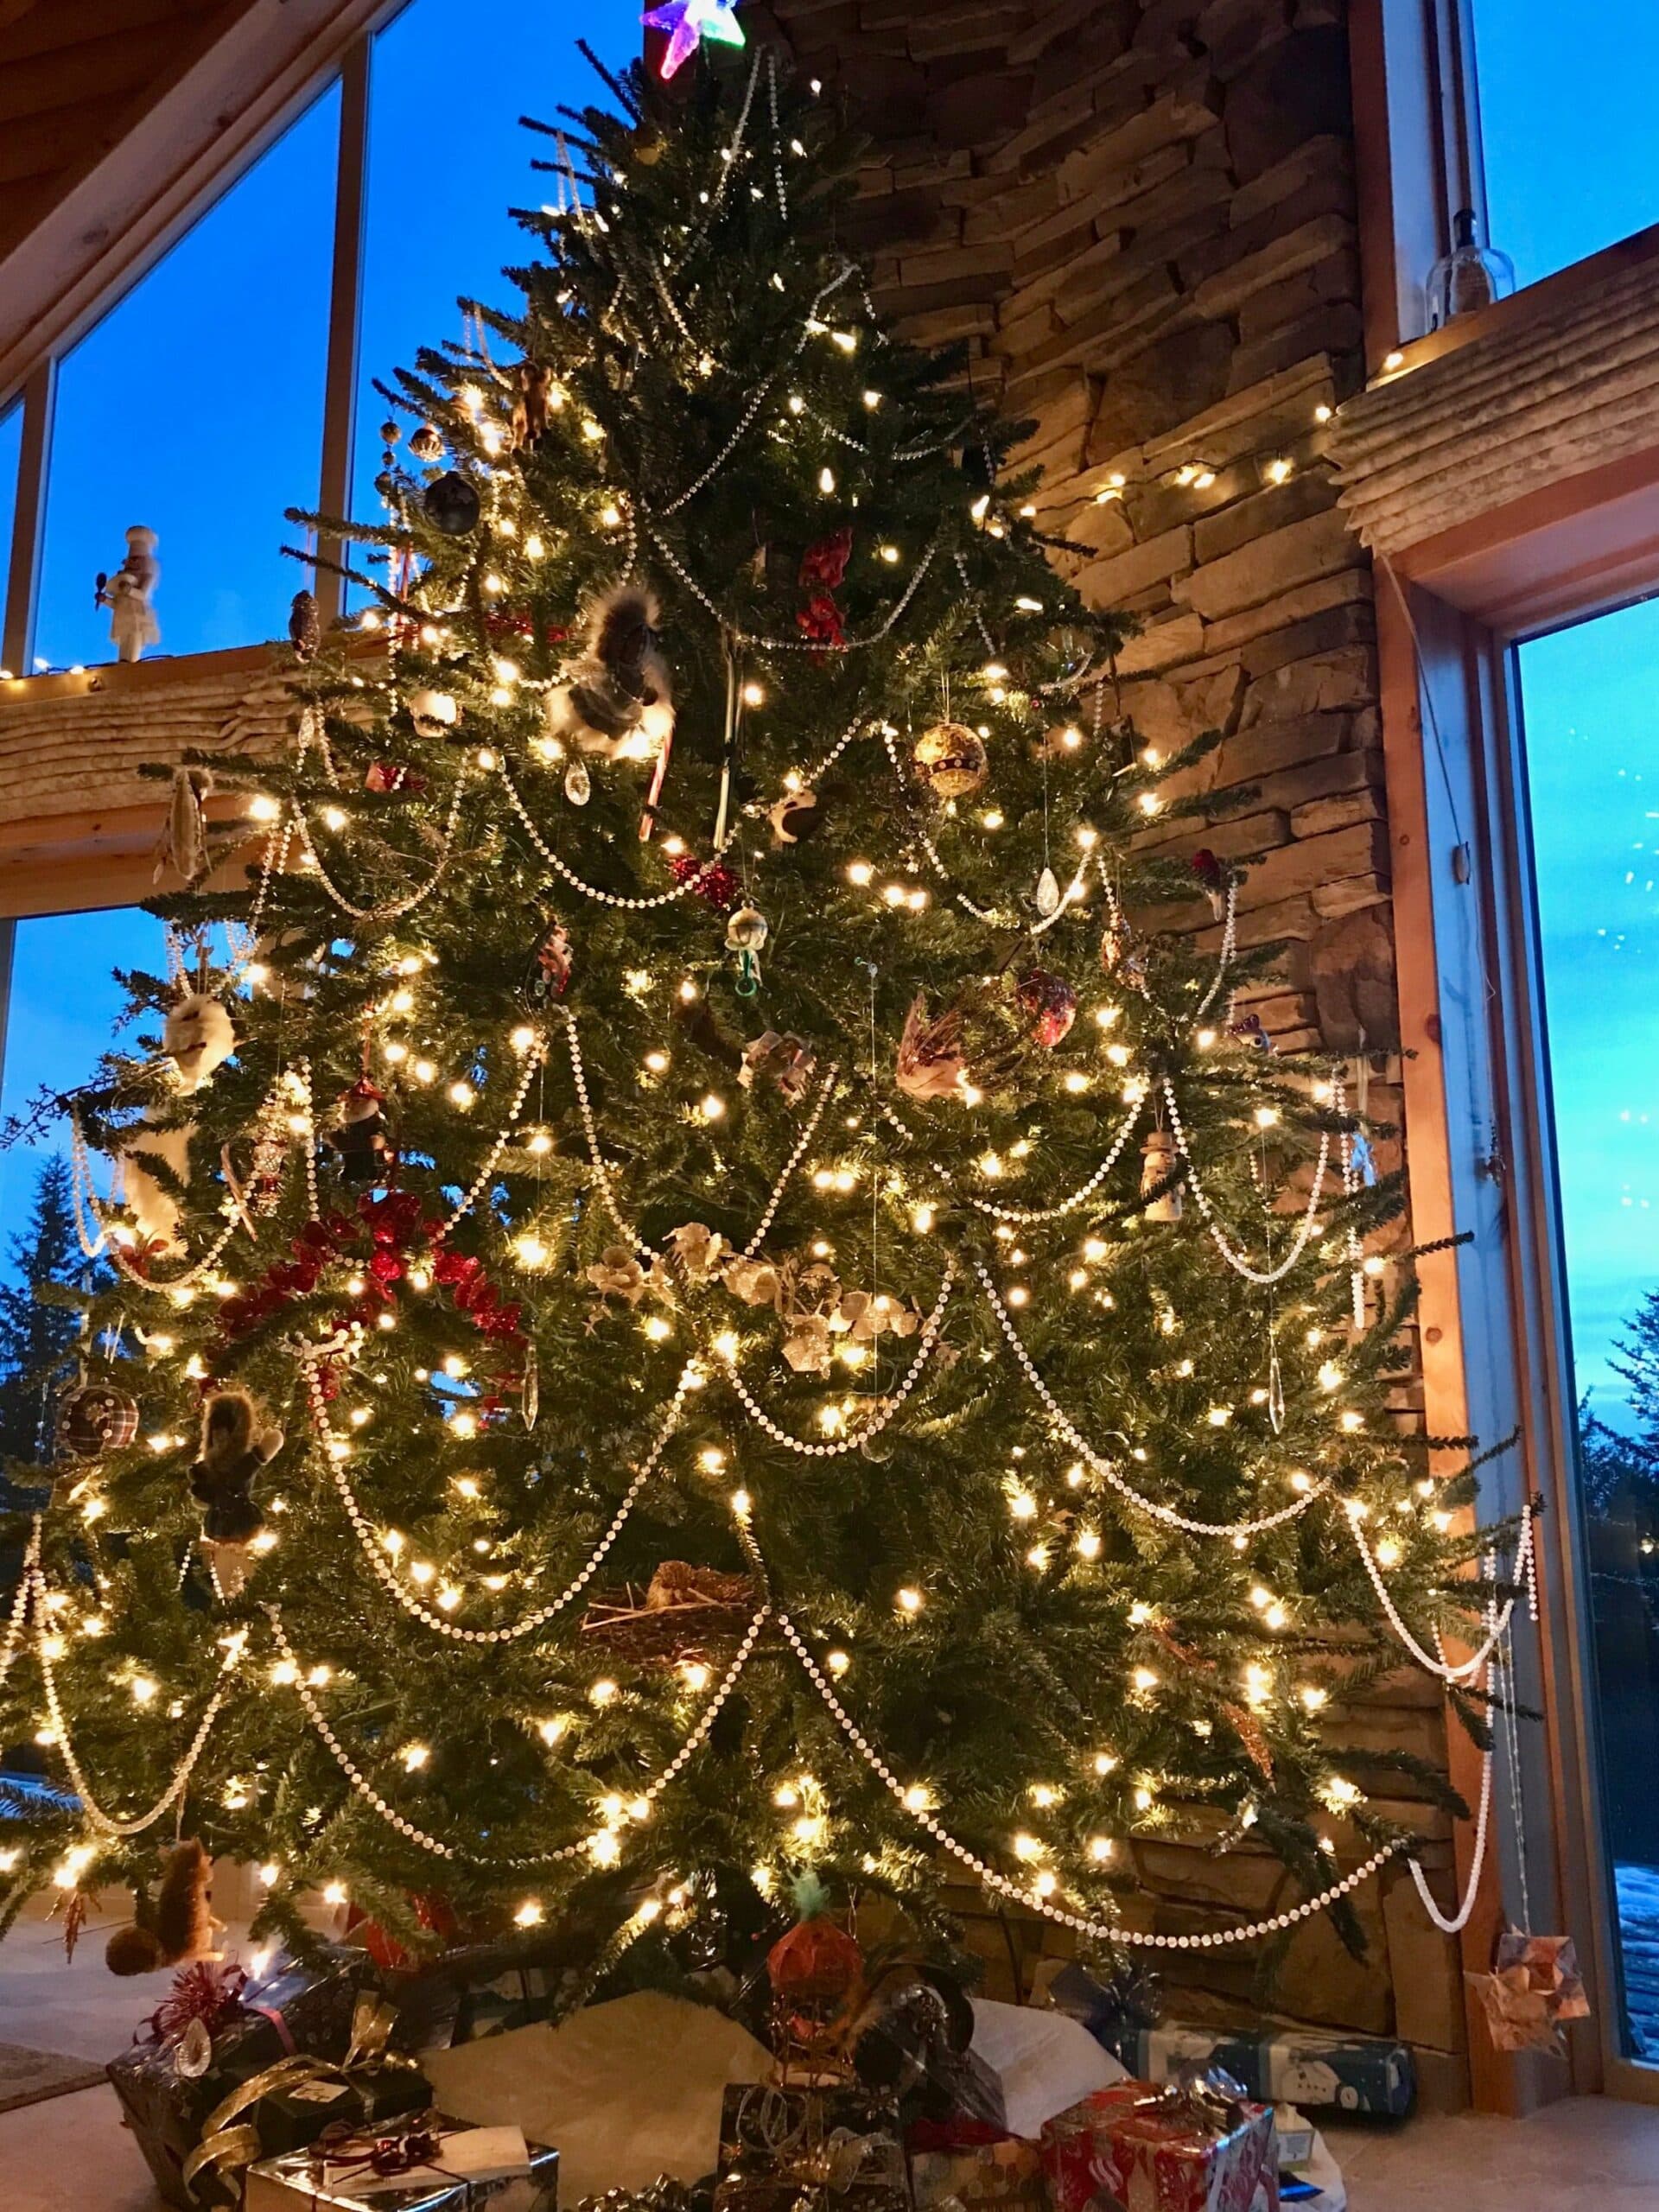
(1472, 276)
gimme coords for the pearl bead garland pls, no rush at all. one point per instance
(1028, 1214)
(533, 1059)
(1235, 1260)
(394, 909)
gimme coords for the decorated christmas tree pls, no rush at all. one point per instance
(713, 1283)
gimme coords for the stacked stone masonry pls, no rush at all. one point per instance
(1138, 218)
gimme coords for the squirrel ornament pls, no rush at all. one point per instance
(177, 1923)
(234, 1447)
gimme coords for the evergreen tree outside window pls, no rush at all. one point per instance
(38, 1338)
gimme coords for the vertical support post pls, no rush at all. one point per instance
(28, 525)
(345, 308)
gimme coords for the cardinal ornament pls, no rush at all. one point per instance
(950, 760)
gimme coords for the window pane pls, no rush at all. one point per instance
(1592, 757)
(431, 62)
(11, 442)
(1566, 113)
(195, 407)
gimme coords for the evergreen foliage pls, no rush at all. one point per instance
(37, 1336)
(1056, 1671)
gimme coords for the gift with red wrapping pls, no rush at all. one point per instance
(983, 2166)
(1171, 2150)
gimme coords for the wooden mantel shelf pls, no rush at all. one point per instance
(79, 824)
(1511, 460)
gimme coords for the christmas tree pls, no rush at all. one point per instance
(717, 1299)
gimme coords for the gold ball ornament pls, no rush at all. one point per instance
(950, 760)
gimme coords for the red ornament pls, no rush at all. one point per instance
(825, 563)
(391, 779)
(816, 1964)
(717, 886)
(1051, 1002)
(1211, 875)
(206, 1990)
(820, 620)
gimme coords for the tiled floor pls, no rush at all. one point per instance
(73, 2155)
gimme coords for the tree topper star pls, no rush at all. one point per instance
(688, 23)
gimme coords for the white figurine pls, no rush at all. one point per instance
(128, 594)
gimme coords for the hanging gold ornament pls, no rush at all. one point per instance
(950, 760)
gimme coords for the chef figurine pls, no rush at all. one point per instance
(128, 594)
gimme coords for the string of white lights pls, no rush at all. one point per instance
(108, 1823)
(1464, 1671)
(1026, 1215)
(393, 909)
(1238, 1531)
(1236, 1260)
(604, 1846)
(580, 883)
(1025, 1894)
(535, 1054)
(796, 645)
(84, 1196)
(889, 1406)
(825, 1092)
(373, 1546)
(17, 1621)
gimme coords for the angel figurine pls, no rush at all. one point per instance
(128, 594)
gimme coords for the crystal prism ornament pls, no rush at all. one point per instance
(1275, 1390)
(578, 784)
(530, 1392)
(1048, 893)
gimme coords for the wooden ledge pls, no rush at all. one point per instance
(1512, 461)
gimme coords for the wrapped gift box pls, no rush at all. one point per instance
(298, 2011)
(432, 2165)
(777, 2144)
(1127, 2146)
(1301, 2066)
(984, 2169)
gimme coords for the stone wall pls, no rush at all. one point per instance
(1138, 216)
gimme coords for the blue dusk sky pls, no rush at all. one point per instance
(226, 336)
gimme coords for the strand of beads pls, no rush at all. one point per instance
(808, 778)
(580, 883)
(825, 1092)
(533, 1059)
(108, 1823)
(393, 909)
(1224, 958)
(1101, 1931)
(1465, 1671)
(1236, 1260)
(798, 644)
(17, 1622)
(890, 1407)
(1453, 1924)
(348, 1766)
(1025, 1215)
(386, 1575)
(711, 1712)
(625, 1230)
(1239, 1531)
(85, 1195)
(1349, 1185)
(307, 1113)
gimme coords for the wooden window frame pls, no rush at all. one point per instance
(1452, 613)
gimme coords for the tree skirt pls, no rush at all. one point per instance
(27, 2078)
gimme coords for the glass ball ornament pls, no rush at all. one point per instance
(950, 760)
(1050, 1003)
(95, 1417)
(426, 443)
(451, 504)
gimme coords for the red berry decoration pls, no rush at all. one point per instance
(1051, 1002)
(825, 563)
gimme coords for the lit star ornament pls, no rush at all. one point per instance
(688, 22)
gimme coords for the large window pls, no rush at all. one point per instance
(1567, 123)
(195, 409)
(11, 442)
(1592, 764)
(429, 245)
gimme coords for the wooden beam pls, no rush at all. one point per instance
(239, 83)
(344, 317)
(29, 520)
